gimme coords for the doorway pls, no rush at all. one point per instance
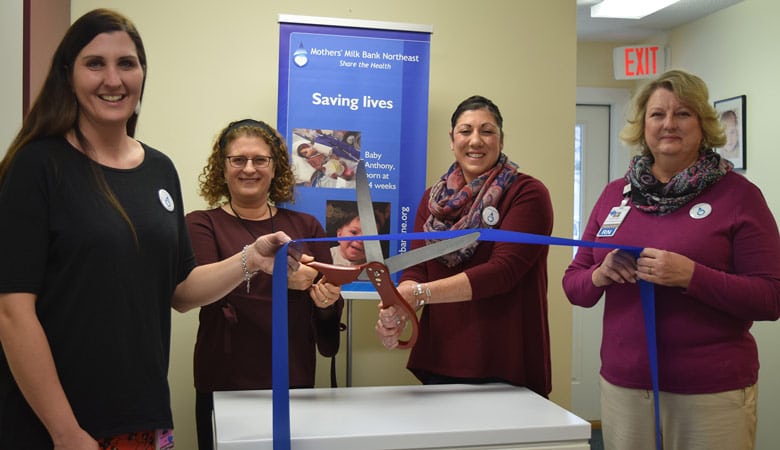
(599, 157)
(591, 174)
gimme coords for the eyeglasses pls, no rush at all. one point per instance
(239, 162)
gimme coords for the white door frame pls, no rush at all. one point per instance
(618, 101)
(586, 323)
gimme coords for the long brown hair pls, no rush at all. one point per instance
(55, 111)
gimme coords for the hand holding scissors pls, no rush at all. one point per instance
(377, 269)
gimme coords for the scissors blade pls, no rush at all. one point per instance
(431, 251)
(373, 249)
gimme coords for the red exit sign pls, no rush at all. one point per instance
(645, 61)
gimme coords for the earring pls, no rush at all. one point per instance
(138, 108)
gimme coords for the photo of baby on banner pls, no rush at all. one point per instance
(325, 158)
(342, 220)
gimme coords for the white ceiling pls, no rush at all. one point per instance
(629, 30)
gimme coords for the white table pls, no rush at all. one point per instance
(494, 416)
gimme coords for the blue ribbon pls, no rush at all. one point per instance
(280, 356)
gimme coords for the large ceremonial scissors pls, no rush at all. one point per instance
(377, 269)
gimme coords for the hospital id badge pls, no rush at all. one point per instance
(612, 222)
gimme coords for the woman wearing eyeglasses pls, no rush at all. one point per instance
(247, 174)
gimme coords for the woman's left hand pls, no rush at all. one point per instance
(665, 268)
(324, 294)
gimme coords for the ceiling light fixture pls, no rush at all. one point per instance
(628, 9)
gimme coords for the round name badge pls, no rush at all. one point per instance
(165, 199)
(700, 210)
(490, 215)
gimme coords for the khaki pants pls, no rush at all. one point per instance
(720, 421)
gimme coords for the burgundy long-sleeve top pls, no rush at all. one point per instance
(703, 332)
(502, 332)
(231, 355)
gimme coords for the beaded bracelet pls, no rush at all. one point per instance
(247, 274)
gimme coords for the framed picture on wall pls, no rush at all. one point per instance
(731, 112)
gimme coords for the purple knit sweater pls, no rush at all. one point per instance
(704, 340)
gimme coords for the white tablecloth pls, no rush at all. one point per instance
(400, 417)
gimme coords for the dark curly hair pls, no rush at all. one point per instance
(213, 186)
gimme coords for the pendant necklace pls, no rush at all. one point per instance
(227, 308)
(243, 221)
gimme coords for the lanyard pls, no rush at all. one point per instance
(280, 357)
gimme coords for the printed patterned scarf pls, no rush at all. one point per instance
(651, 196)
(457, 205)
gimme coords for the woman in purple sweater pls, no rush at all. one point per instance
(485, 314)
(710, 247)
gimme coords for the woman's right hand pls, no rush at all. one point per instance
(389, 326)
(324, 294)
(618, 267)
(264, 250)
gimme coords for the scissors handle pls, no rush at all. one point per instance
(337, 275)
(379, 276)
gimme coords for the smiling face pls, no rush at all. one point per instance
(249, 185)
(352, 250)
(477, 141)
(107, 80)
(672, 130)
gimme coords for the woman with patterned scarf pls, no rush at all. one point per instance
(710, 247)
(484, 317)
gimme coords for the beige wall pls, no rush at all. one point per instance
(11, 33)
(594, 66)
(211, 62)
(735, 51)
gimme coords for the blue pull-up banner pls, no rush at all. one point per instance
(352, 90)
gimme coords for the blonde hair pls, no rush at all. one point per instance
(692, 92)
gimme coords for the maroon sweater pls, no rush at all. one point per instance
(703, 332)
(234, 356)
(503, 331)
